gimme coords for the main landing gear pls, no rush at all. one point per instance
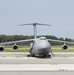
(29, 55)
(39, 56)
(44, 56)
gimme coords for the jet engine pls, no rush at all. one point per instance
(65, 47)
(15, 47)
(1, 48)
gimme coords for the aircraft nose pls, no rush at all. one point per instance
(44, 49)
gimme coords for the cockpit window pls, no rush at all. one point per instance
(42, 38)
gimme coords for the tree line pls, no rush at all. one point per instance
(7, 38)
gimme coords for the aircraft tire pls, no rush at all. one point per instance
(49, 56)
(44, 56)
(28, 55)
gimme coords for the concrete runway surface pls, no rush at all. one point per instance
(32, 60)
(17, 63)
(35, 69)
(21, 58)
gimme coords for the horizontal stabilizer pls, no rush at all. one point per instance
(35, 24)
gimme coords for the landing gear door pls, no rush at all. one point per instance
(31, 47)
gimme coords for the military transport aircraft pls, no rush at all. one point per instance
(39, 47)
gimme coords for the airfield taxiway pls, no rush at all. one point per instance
(17, 63)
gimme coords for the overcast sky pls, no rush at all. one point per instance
(58, 13)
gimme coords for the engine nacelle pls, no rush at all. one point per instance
(1, 48)
(65, 47)
(15, 47)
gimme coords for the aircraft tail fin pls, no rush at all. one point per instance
(35, 29)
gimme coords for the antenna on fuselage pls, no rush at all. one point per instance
(35, 29)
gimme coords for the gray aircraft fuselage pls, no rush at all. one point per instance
(40, 47)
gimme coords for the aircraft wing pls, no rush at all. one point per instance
(14, 42)
(59, 41)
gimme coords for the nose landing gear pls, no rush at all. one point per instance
(43, 56)
(46, 56)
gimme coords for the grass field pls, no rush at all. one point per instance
(26, 49)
